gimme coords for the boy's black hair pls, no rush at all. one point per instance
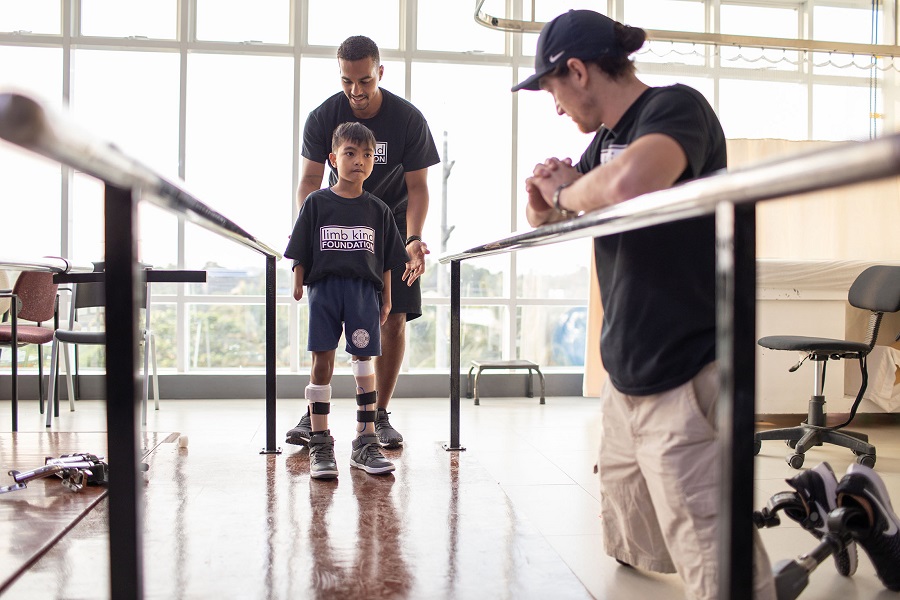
(356, 133)
(358, 47)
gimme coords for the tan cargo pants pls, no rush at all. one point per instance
(659, 484)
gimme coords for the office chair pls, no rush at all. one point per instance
(877, 289)
(33, 299)
(92, 295)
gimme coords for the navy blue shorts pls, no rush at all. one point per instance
(350, 304)
(404, 298)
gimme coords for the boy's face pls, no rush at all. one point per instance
(359, 79)
(354, 161)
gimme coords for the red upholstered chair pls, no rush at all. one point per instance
(4, 299)
(33, 299)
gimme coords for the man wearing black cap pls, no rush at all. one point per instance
(659, 469)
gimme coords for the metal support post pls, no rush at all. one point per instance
(270, 448)
(122, 397)
(736, 327)
(454, 355)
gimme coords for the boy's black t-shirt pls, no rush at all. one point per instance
(658, 283)
(403, 144)
(347, 237)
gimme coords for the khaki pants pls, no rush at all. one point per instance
(659, 485)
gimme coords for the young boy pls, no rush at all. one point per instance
(344, 244)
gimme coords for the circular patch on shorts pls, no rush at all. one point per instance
(360, 338)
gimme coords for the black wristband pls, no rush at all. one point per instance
(413, 238)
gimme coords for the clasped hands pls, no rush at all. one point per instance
(540, 187)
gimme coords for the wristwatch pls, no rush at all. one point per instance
(413, 238)
(566, 214)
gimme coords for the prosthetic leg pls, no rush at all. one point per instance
(792, 576)
(366, 451)
(75, 470)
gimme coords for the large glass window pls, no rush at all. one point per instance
(138, 112)
(442, 26)
(844, 24)
(226, 104)
(31, 16)
(30, 186)
(130, 18)
(737, 19)
(239, 155)
(478, 141)
(377, 20)
(264, 21)
(763, 109)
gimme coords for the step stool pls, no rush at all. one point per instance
(483, 365)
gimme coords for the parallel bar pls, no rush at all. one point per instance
(45, 264)
(455, 345)
(14, 357)
(123, 399)
(844, 164)
(25, 122)
(735, 345)
(271, 447)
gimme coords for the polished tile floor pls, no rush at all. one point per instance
(514, 516)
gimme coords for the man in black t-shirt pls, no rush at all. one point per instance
(404, 151)
(659, 454)
(658, 460)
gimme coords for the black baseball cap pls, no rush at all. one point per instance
(582, 34)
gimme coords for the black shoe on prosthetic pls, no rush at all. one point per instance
(299, 435)
(322, 464)
(874, 525)
(388, 437)
(366, 455)
(817, 487)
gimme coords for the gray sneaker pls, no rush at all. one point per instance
(366, 455)
(299, 435)
(321, 456)
(387, 435)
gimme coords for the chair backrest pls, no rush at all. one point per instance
(877, 289)
(93, 295)
(37, 294)
(4, 302)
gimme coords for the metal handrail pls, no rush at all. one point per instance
(46, 264)
(840, 165)
(28, 124)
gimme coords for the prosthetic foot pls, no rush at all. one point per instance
(816, 489)
(872, 521)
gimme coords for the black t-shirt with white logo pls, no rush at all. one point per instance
(658, 283)
(348, 237)
(403, 144)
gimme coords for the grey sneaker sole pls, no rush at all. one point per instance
(296, 440)
(325, 474)
(391, 444)
(372, 470)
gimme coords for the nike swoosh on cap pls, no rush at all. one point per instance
(555, 57)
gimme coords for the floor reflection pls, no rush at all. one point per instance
(366, 561)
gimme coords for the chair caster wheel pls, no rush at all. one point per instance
(866, 460)
(795, 460)
(757, 446)
(791, 443)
